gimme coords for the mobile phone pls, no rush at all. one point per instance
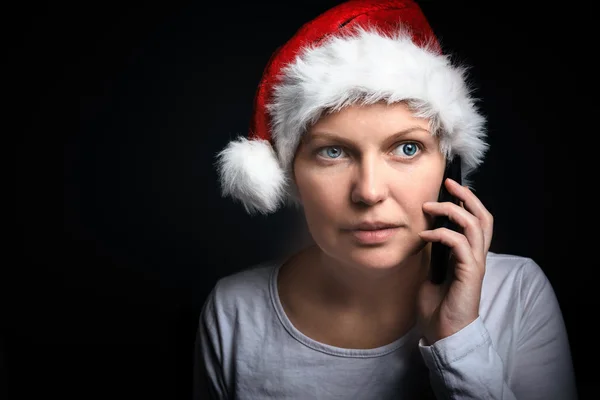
(440, 253)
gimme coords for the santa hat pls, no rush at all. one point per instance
(358, 52)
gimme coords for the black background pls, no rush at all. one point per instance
(121, 231)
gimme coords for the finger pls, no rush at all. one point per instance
(472, 204)
(469, 223)
(466, 265)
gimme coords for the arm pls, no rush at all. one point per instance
(466, 365)
(543, 368)
(208, 378)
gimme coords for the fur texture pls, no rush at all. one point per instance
(363, 68)
(369, 67)
(250, 172)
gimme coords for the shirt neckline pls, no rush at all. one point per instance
(322, 347)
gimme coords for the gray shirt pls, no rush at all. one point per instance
(247, 348)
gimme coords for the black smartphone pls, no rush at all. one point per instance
(440, 253)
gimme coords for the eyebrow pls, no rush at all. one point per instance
(341, 139)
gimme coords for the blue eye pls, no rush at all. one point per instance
(409, 149)
(331, 152)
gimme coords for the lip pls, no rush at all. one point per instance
(374, 236)
(374, 226)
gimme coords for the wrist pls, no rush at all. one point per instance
(435, 335)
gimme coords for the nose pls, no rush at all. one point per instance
(370, 186)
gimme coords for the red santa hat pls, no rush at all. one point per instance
(361, 51)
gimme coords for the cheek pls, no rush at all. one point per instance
(428, 180)
(430, 193)
(411, 193)
(322, 197)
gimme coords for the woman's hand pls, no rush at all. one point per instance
(445, 309)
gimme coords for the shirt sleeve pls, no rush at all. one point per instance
(467, 366)
(543, 368)
(208, 376)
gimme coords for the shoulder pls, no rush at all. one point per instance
(520, 277)
(255, 278)
(501, 266)
(246, 289)
(240, 299)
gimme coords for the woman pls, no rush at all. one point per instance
(356, 120)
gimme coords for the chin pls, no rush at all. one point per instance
(385, 256)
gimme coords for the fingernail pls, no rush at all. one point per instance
(453, 182)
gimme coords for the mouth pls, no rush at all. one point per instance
(372, 235)
(374, 226)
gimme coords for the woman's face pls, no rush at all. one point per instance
(365, 166)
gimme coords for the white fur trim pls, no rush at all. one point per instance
(250, 172)
(368, 67)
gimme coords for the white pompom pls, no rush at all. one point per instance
(250, 172)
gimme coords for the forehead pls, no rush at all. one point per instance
(379, 119)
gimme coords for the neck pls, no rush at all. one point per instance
(358, 291)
